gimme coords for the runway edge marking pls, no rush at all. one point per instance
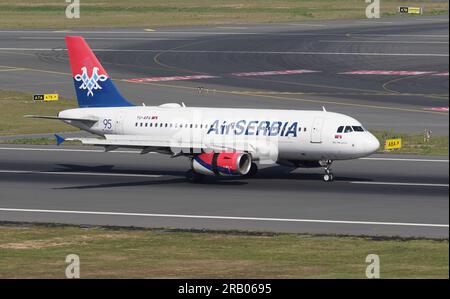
(400, 184)
(224, 217)
(137, 152)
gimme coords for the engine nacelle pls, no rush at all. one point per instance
(222, 164)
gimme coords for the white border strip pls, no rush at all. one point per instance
(137, 152)
(399, 184)
(404, 159)
(224, 217)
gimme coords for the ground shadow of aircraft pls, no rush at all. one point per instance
(173, 177)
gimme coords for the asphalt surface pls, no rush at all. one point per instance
(36, 61)
(383, 195)
(373, 197)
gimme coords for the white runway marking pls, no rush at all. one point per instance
(232, 28)
(382, 42)
(150, 38)
(406, 159)
(193, 32)
(401, 35)
(325, 221)
(171, 78)
(272, 73)
(137, 152)
(445, 74)
(388, 73)
(81, 173)
(243, 52)
(308, 25)
(399, 184)
(107, 174)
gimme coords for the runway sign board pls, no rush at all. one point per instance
(46, 97)
(391, 144)
(410, 10)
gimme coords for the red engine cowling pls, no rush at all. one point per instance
(222, 164)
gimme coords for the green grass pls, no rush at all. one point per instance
(415, 143)
(29, 251)
(150, 13)
(14, 105)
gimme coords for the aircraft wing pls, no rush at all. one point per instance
(111, 142)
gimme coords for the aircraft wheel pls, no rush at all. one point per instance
(253, 171)
(193, 177)
(328, 177)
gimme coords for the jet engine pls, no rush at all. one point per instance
(222, 164)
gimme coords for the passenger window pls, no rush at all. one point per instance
(358, 129)
(340, 129)
(348, 129)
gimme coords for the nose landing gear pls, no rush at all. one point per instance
(328, 176)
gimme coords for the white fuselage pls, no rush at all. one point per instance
(293, 135)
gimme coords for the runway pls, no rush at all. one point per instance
(391, 74)
(381, 196)
(286, 66)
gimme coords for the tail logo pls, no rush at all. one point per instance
(90, 83)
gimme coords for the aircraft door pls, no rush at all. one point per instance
(316, 130)
(120, 125)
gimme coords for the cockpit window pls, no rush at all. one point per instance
(358, 129)
(340, 129)
(348, 129)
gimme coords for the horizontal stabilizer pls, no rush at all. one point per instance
(59, 139)
(62, 118)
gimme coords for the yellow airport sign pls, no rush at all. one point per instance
(410, 10)
(46, 97)
(393, 144)
(51, 97)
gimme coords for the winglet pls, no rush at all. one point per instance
(59, 139)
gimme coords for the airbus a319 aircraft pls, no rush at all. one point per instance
(219, 142)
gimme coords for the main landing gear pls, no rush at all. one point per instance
(328, 176)
(193, 177)
(253, 171)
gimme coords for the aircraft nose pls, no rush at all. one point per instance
(372, 144)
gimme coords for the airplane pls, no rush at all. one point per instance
(219, 142)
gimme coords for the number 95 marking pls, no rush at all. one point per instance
(107, 123)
